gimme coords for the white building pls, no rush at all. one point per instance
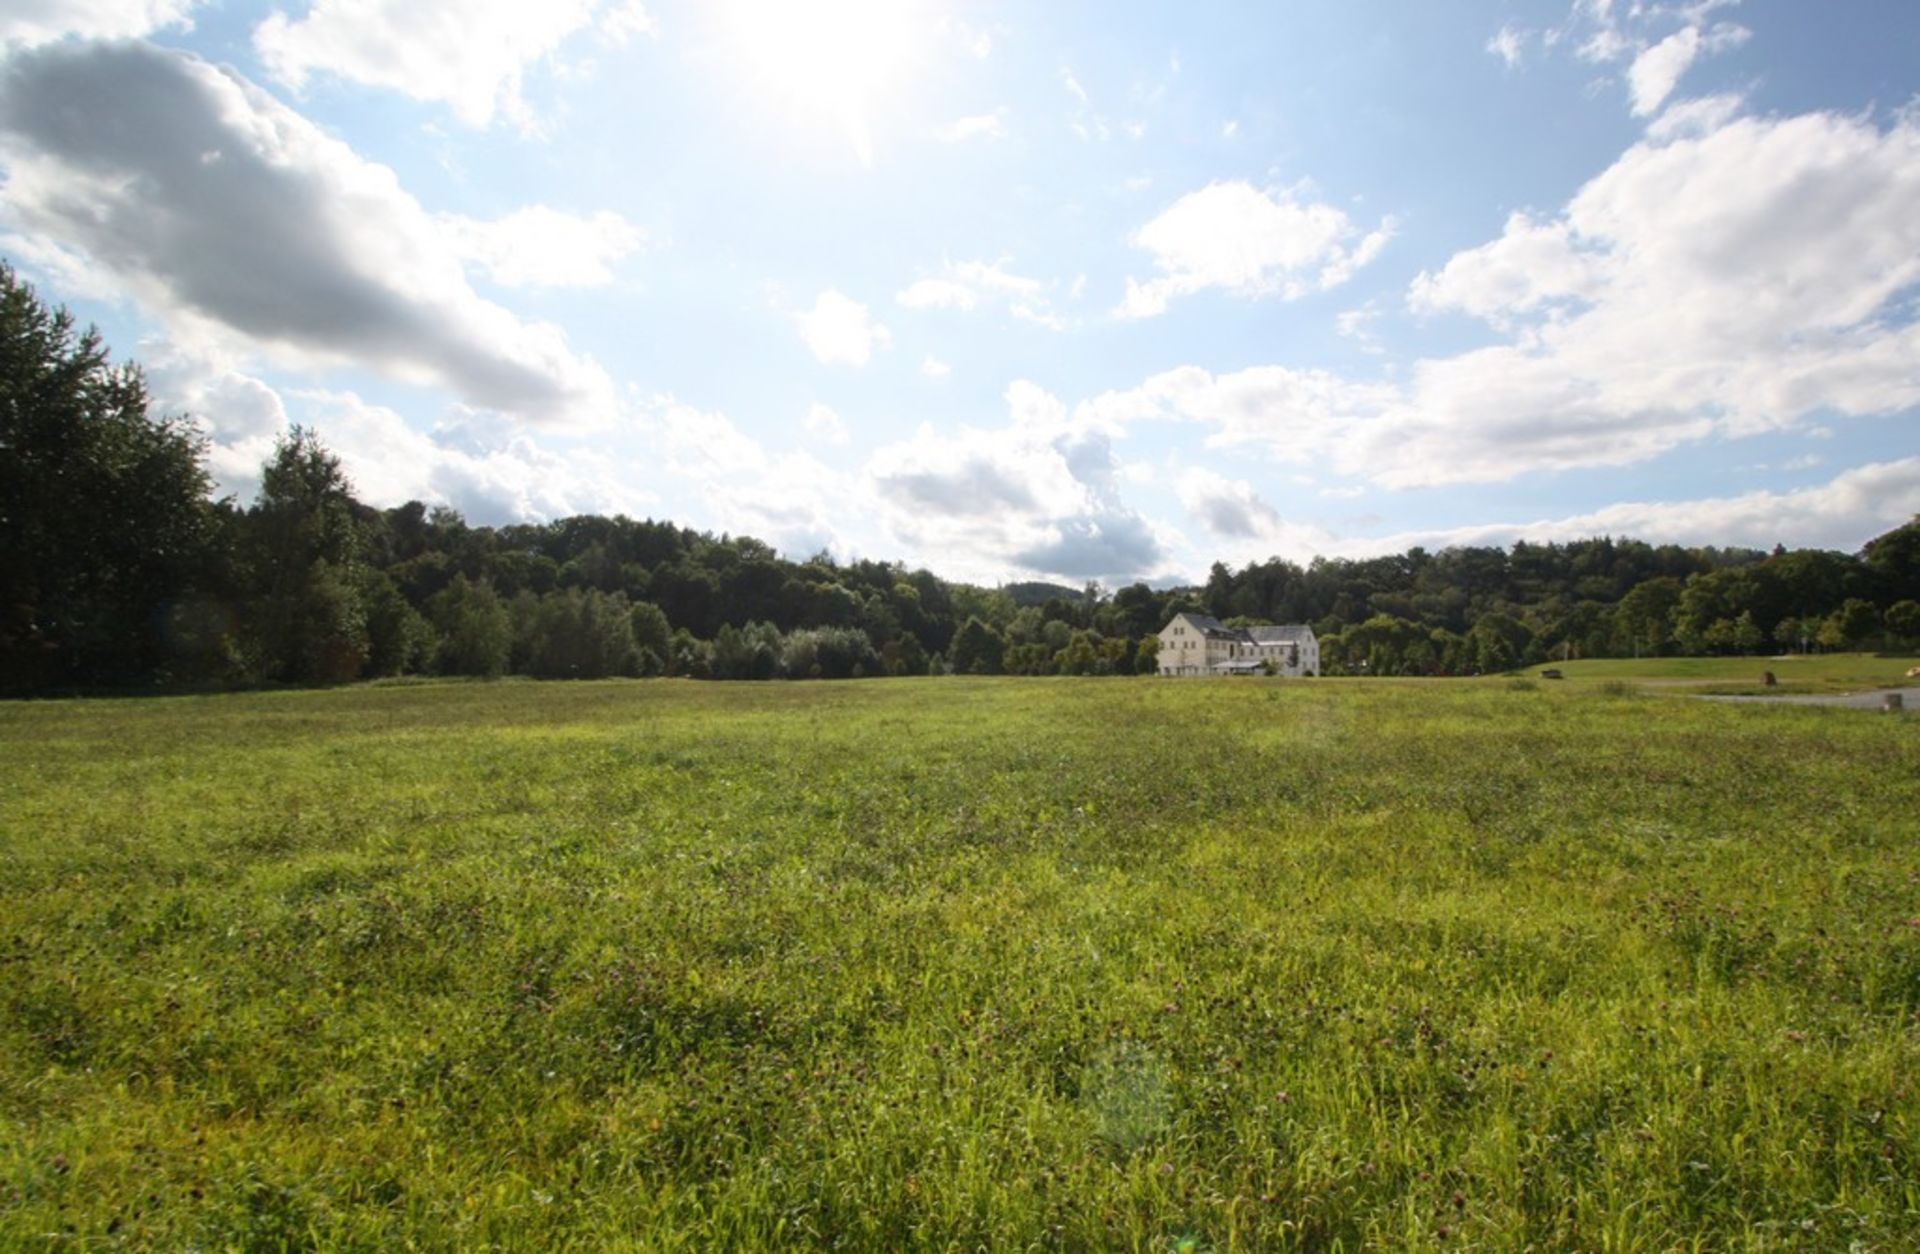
(1194, 644)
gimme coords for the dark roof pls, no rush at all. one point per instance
(1292, 634)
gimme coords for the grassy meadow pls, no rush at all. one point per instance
(959, 964)
(1792, 673)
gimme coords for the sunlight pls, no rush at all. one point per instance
(827, 60)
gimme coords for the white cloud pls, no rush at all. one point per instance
(494, 481)
(1357, 325)
(1296, 416)
(542, 247)
(237, 224)
(976, 126)
(1726, 283)
(1509, 44)
(1604, 39)
(792, 500)
(1037, 496)
(964, 285)
(1605, 45)
(1692, 118)
(934, 368)
(825, 425)
(937, 294)
(1239, 238)
(1656, 72)
(1603, 35)
(1227, 507)
(230, 405)
(66, 269)
(470, 54)
(839, 331)
(473, 461)
(29, 23)
(1843, 513)
(1532, 264)
(621, 20)
(1715, 286)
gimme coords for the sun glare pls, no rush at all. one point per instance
(833, 61)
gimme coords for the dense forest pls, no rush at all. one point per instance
(121, 571)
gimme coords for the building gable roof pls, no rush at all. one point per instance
(1213, 628)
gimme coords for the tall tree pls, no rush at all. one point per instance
(105, 524)
(476, 633)
(977, 649)
(308, 622)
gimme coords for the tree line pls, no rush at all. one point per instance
(121, 570)
(1482, 610)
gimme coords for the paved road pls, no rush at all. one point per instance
(1869, 700)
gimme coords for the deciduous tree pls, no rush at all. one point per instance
(105, 525)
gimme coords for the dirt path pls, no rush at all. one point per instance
(1868, 700)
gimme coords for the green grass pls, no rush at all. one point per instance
(1793, 673)
(958, 964)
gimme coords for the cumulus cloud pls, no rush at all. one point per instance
(1714, 286)
(542, 247)
(1843, 513)
(1293, 416)
(839, 331)
(719, 476)
(487, 468)
(230, 405)
(964, 285)
(28, 23)
(825, 425)
(934, 368)
(1227, 507)
(1039, 495)
(1532, 264)
(469, 54)
(494, 478)
(1722, 283)
(234, 220)
(1255, 243)
(792, 500)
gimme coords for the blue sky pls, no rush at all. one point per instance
(1080, 291)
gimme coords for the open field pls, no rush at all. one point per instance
(1793, 673)
(959, 963)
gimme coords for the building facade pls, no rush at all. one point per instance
(1195, 644)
